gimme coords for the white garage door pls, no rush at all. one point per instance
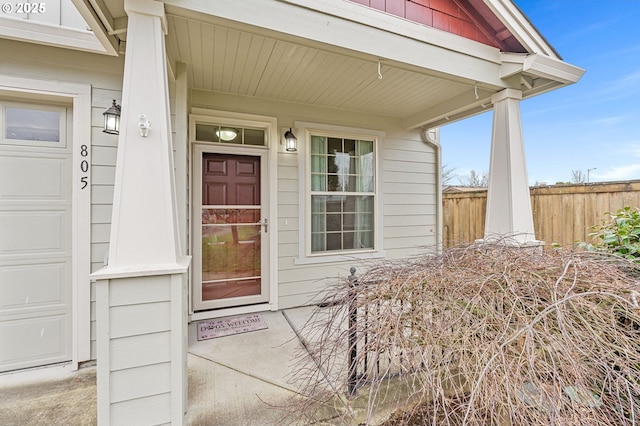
(35, 236)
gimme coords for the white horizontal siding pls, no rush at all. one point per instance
(139, 290)
(288, 250)
(288, 211)
(287, 235)
(139, 319)
(288, 198)
(408, 199)
(411, 187)
(407, 156)
(130, 352)
(404, 176)
(401, 209)
(408, 220)
(100, 232)
(102, 194)
(139, 382)
(410, 194)
(103, 175)
(103, 162)
(395, 165)
(101, 214)
(138, 342)
(149, 410)
(407, 242)
(287, 185)
(104, 155)
(99, 138)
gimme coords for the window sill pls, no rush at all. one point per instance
(339, 258)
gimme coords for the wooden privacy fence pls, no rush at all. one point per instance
(562, 214)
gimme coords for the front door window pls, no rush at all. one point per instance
(231, 226)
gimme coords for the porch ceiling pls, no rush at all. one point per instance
(221, 58)
(288, 51)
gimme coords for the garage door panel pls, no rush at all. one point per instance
(41, 339)
(28, 178)
(36, 301)
(29, 232)
(34, 287)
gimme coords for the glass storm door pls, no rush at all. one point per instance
(232, 233)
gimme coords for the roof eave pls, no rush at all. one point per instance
(104, 26)
(521, 27)
(537, 74)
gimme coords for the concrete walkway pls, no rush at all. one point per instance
(48, 396)
(245, 379)
(242, 379)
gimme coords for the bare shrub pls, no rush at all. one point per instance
(480, 335)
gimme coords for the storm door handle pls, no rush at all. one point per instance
(264, 223)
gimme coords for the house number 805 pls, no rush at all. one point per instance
(84, 166)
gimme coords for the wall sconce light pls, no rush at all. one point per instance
(290, 141)
(226, 134)
(143, 125)
(112, 119)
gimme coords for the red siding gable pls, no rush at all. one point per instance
(458, 17)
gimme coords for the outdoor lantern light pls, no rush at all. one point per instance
(112, 119)
(290, 141)
(226, 134)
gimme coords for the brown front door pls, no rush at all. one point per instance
(232, 230)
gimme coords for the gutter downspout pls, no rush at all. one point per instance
(432, 138)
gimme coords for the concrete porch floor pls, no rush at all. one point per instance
(243, 379)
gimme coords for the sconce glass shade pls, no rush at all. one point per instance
(226, 134)
(112, 119)
(290, 141)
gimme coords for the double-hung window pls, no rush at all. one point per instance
(342, 178)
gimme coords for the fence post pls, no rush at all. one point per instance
(353, 333)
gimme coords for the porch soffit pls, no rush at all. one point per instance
(222, 59)
(303, 56)
(229, 57)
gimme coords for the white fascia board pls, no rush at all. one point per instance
(551, 68)
(520, 27)
(540, 66)
(362, 30)
(97, 24)
(50, 35)
(395, 24)
(101, 12)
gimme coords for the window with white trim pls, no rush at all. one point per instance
(33, 125)
(342, 194)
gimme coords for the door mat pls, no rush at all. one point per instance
(211, 329)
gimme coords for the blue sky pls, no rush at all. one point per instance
(592, 124)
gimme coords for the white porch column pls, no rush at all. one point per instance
(509, 217)
(141, 304)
